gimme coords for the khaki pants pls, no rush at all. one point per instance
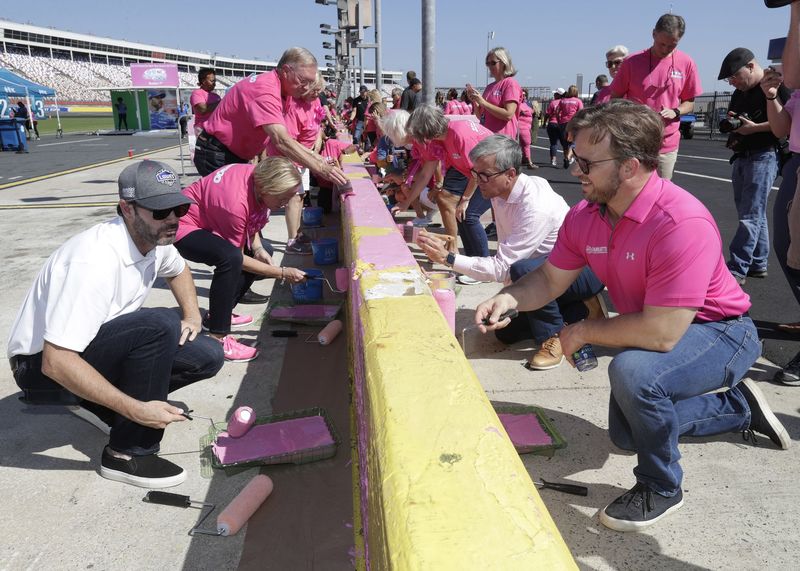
(666, 164)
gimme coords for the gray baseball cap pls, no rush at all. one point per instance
(151, 184)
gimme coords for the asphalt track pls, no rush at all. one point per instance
(702, 169)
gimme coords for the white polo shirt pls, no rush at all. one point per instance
(93, 278)
(527, 227)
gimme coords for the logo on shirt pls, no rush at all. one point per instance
(252, 77)
(166, 177)
(629, 256)
(455, 156)
(596, 250)
(676, 74)
(220, 172)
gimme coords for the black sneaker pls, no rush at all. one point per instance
(299, 248)
(143, 471)
(762, 419)
(638, 508)
(760, 274)
(790, 374)
(253, 298)
(491, 230)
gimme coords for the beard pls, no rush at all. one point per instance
(164, 235)
(602, 194)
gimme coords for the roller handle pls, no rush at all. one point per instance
(510, 314)
(566, 488)
(168, 499)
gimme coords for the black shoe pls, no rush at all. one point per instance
(762, 419)
(566, 164)
(638, 508)
(790, 374)
(252, 297)
(756, 273)
(491, 230)
(143, 471)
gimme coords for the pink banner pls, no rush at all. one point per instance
(154, 75)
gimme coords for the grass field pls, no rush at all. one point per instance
(73, 124)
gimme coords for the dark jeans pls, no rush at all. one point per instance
(123, 118)
(139, 354)
(210, 154)
(470, 229)
(562, 136)
(554, 134)
(780, 222)
(229, 283)
(541, 324)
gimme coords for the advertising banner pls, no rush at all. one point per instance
(154, 75)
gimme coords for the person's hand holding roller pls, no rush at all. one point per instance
(488, 313)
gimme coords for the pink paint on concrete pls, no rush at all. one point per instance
(525, 430)
(384, 252)
(305, 312)
(446, 298)
(273, 439)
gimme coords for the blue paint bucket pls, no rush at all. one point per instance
(312, 216)
(309, 291)
(326, 251)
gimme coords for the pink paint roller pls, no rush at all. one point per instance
(243, 506)
(329, 332)
(342, 279)
(241, 421)
(446, 298)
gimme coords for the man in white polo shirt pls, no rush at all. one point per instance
(81, 338)
(528, 214)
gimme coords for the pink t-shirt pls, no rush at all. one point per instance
(525, 116)
(456, 107)
(225, 205)
(250, 104)
(459, 140)
(602, 96)
(665, 251)
(203, 97)
(552, 111)
(791, 107)
(499, 93)
(568, 107)
(659, 84)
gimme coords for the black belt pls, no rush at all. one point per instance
(751, 152)
(731, 318)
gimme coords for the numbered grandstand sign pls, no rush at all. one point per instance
(5, 107)
(154, 75)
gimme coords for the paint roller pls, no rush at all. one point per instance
(329, 332)
(510, 314)
(573, 489)
(241, 421)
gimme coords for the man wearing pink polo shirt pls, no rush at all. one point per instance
(253, 111)
(666, 80)
(683, 327)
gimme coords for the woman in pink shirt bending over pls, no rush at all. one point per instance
(498, 107)
(222, 230)
(569, 105)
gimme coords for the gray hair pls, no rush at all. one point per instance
(394, 125)
(634, 131)
(671, 24)
(297, 57)
(427, 122)
(397, 92)
(618, 50)
(507, 152)
(505, 57)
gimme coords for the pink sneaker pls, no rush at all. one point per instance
(236, 352)
(240, 320)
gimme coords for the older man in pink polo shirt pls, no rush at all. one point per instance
(683, 327)
(666, 80)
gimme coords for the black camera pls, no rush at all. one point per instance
(731, 123)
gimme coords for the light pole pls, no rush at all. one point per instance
(489, 36)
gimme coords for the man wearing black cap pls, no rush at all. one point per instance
(755, 163)
(81, 338)
(360, 105)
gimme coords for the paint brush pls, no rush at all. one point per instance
(510, 314)
(565, 488)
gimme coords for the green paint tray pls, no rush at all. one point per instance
(529, 429)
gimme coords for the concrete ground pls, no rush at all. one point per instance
(741, 503)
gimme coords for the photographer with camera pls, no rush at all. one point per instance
(755, 162)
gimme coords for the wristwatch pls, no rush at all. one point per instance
(451, 259)
(677, 112)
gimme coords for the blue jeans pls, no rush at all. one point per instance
(658, 397)
(472, 233)
(780, 222)
(357, 132)
(752, 177)
(139, 354)
(541, 324)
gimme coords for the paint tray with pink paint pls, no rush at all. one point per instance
(529, 429)
(295, 437)
(308, 313)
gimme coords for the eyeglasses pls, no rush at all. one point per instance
(163, 213)
(303, 81)
(485, 176)
(492, 62)
(613, 63)
(586, 166)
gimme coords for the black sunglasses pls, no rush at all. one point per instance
(613, 63)
(163, 213)
(586, 166)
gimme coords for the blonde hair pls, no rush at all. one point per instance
(505, 57)
(275, 176)
(375, 96)
(379, 109)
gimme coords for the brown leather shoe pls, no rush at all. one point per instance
(596, 306)
(549, 356)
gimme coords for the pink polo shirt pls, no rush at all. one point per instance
(665, 251)
(202, 97)
(792, 106)
(225, 201)
(499, 93)
(250, 104)
(459, 140)
(659, 84)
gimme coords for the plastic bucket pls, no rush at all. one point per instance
(309, 291)
(326, 251)
(312, 216)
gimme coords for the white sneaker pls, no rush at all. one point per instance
(466, 280)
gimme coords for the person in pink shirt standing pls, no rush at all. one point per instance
(204, 100)
(525, 126)
(683, 330)
(454, 105)
(498, 107)
(221, 229)
(568, 106)
(666, 80)
(551, 117)
(603, 93)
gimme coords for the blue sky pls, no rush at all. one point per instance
(550, 42)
